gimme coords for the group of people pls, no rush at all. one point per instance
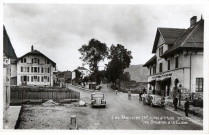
(176, 97)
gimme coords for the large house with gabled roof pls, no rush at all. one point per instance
(178, 57)
(35, 69)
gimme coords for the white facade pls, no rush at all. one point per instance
(184, 64)
(35, 70)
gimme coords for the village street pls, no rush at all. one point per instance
(121, 113)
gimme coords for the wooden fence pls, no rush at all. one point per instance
(22, 94)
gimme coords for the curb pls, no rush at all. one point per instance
(198, 122)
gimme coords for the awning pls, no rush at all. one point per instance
(152, 81)
(166, 79)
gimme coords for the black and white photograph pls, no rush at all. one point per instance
(110, 66)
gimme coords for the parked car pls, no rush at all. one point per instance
(153, 100)
(97, 99)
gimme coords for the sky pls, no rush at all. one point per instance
(59, 30)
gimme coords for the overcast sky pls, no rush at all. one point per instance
(59, 30)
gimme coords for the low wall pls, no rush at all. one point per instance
(22, 94)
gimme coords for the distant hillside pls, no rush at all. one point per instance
(137, 72)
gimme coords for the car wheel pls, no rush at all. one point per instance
(151, 104)
(162, 105)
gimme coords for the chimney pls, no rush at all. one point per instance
(193, 20)
(31, 48)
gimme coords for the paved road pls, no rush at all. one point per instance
(121, 113)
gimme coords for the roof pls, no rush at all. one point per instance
(169, 36)
(36, 52)
(8, 48)
(82, 68)
(150, 61)
(190, 38)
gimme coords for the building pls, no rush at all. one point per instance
(84, 72)
(9, 56)
(178, 57)
(60, 78)
(36, 69)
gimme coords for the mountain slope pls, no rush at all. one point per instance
(137, 73)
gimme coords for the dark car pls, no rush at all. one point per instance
(97, 99)
(153, 100)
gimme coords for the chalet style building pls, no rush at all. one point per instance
(178, 57)
(9, 56)
(35, 69)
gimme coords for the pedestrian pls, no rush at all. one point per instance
(175, 96)
(140, 95)
(116, 92)
(186, 106)
(129, 94)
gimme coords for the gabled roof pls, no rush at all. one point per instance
(150, 61)
(8, 48)
(169, 36)
(190, 38)
(36, 52)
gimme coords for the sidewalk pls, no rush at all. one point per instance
(195, 119)
(11, 116)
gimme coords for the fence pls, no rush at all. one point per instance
(22, 94)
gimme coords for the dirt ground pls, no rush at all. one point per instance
(53, 117)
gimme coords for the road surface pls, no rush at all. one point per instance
(121, 113)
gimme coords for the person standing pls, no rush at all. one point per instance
(175, 96)
(186, 106)
(129, 94)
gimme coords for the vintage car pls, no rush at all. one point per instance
(153, 100)
(97, 99)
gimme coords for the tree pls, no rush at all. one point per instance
(125, 77)
(120, 58)
(93, 53)
(78, 77)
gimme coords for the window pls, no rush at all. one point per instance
(31, 78)
(160, 67)
(28, 69)
(21, 69)
(154, 69)
(38, 78)
(21, 60)
(42, 79)
(42, 70)
(21, 78)
(31, 69)
(35, 69)
(176, 62)
(32, 60)
(25, 78)
(47, 61)
(28, 78)
(169, 62)
(35, 60)
(48, 70)
(199, 84)
(48, 79)
(24, 60)
(38, 61)
(160, 51)
(38, 69)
